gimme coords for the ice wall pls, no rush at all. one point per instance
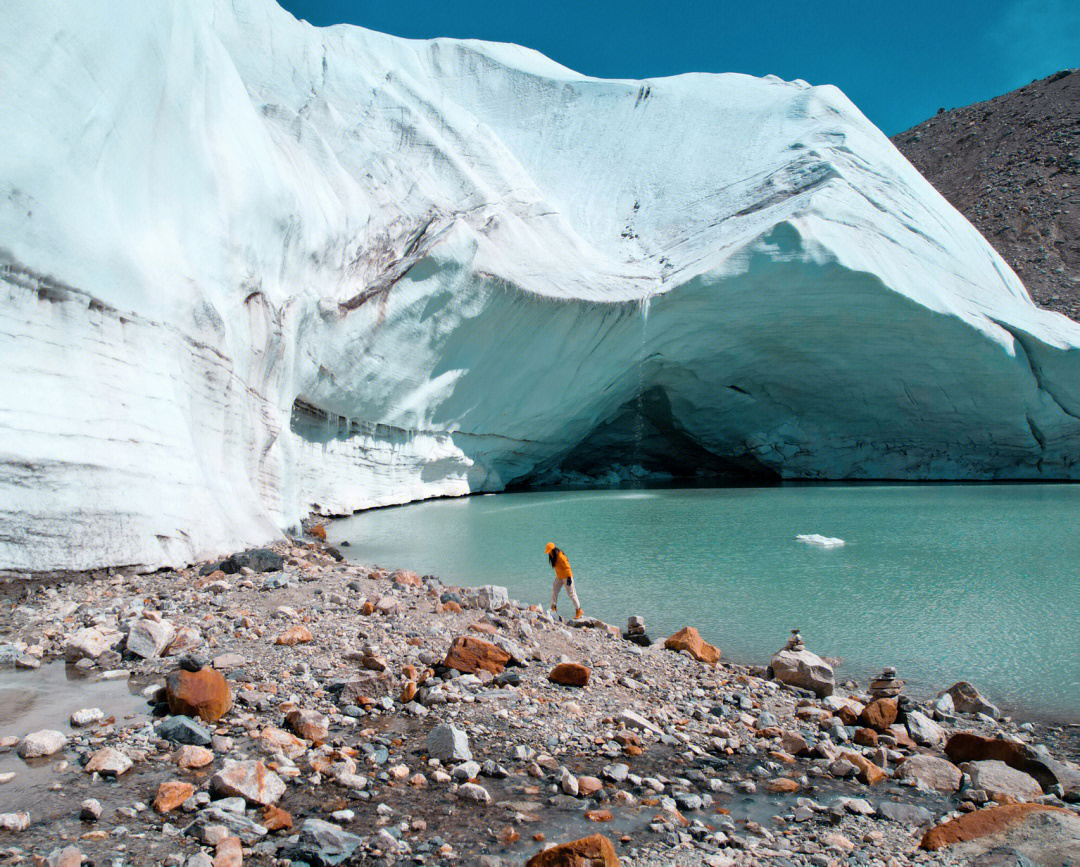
(249, 267)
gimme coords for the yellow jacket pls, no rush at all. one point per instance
(559, 563)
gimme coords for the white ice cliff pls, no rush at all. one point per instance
(249, 267)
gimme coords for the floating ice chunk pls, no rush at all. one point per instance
(819, 541)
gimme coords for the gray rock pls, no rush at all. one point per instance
(91, 642)
(466, 771)
(149, 638)
(997, 778)
(932, 772)
(967, 699)
(906, 814)
(183, 730)
(90, 810)
(448, 744)
(257, 559)
(1002, 857)
(805, 670)
(492, 597)
(238, 825)
(924, 730)
(87, 716)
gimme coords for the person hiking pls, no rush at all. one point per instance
(563, 576)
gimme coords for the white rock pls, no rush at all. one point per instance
(87, 716)
(632, 719)
(90, 643)
(805, 670)
(42, 743)
(997, 778)
(818, 541)
(473, 792)
(108, 762)
(14, 821)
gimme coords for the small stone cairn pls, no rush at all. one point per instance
(795, 642)
(886, 684)
(635, 631)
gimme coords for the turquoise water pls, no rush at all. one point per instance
(946, 582)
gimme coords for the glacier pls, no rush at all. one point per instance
(251, 268)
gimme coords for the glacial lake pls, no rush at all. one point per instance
(946, 582)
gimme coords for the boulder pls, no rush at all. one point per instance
(229, 853)
(40, 744)
(250, 780)
(257, 559)
(805, 670)
(171, 794)
(492, 597)
(108, 762)
(1036, 761)
(324, 844)
(923, 730)
(967, 699)
(469, 655)
(982, 823)
(689, 640)
(149, 638)
(91, 642)
(936, 773)
(569, 674)
(448, 744)
(309, 724)
(1000, 781)
(406, 578)
(204, 693)
(879, 714)
(594, 851)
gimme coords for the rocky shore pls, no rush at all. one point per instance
(285, 707)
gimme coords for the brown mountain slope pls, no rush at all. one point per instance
(1011, 165)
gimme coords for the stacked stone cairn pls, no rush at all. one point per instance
(635, 631)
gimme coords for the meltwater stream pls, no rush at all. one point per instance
(946, 582)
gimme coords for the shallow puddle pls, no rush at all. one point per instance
(45, 699)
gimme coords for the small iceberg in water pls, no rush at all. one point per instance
(819, 541)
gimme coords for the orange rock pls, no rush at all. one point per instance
(781, 785)
(588, 786)
(309, 724)
(202, 693)
(408, 692)
(509, 836)
(229, 853)
(276, 819)
(981, 823)
(569, 674)
(409, 672)
(452, 607)
(598, 815)
(866, 737)
(688, 639)
(172, 794)
(368, 608)
(879, 714)
(594, 851)
(632, 750)
(869, 773)
(847, 715)
(470, 655)
(294, 635)
(405, 578)
(318, 532)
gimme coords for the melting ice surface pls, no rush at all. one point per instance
(946, 582)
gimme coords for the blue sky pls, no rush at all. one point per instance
(898, 61)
